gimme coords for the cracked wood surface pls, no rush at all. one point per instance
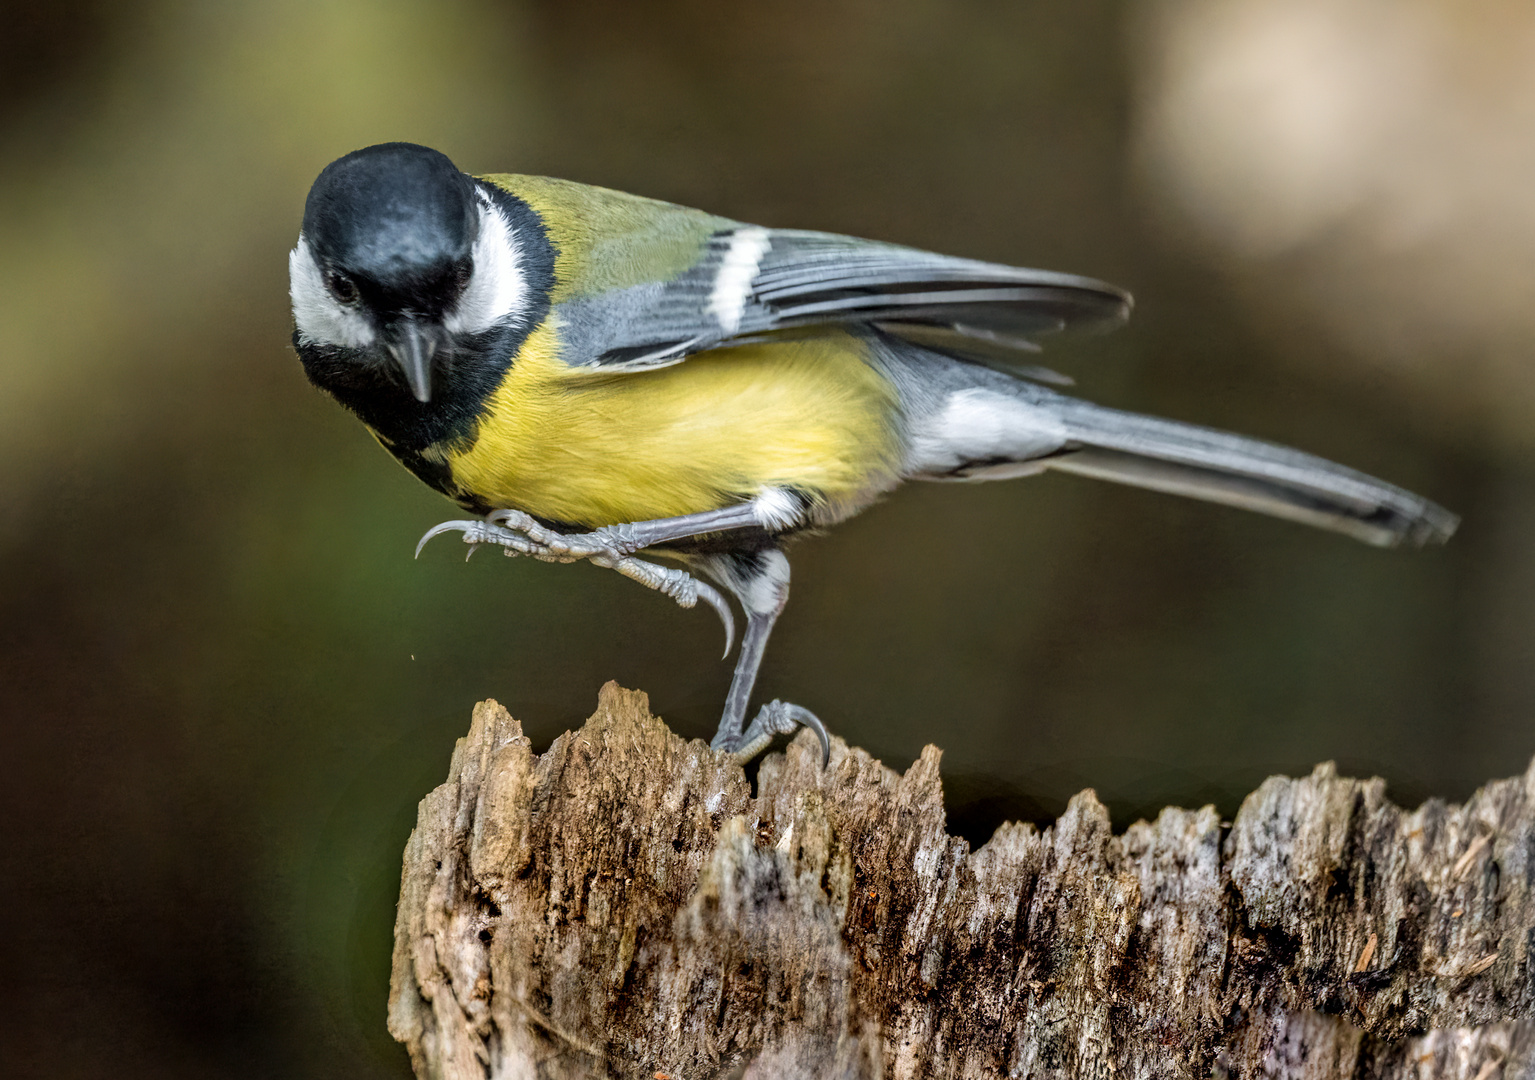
(622, 906)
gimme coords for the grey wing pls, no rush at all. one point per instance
(751, 281)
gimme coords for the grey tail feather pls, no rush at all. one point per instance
(1165, 455)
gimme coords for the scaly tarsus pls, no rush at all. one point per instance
(519, 534)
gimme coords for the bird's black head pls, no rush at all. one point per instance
(397, 224)
(400, 256)
(386, 253)
(412, 286)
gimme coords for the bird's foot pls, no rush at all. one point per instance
(517, 533)
(681, 586)
(774, 718)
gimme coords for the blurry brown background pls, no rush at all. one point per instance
(226, 684)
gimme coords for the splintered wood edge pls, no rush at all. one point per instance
(1322, 923)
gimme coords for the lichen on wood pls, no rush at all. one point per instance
(622, 905)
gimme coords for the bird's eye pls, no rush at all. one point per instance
(341, 287)
(461, 275)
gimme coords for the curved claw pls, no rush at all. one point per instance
(802, 715)
(438, 530)
(709, 595)
(774, 718)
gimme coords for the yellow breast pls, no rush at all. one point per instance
(575, 445)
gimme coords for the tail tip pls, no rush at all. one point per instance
(1430, 525)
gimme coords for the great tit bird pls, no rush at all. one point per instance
(594, 375)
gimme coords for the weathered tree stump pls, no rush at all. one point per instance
(622, 906)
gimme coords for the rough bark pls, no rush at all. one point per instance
(621, 905)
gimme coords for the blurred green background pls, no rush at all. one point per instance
(226, 684)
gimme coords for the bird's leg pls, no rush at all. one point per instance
(677, 584)
(761, 582)
(522, 534)
(517, 533)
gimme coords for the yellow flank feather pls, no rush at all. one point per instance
(578, 446)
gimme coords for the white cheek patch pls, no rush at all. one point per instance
(321, 318)
(496, 288)
(738, 268)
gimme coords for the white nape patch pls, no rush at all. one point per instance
(733, 282)
(496, 284)
(776, 509)
(321, 318)
(981, 426)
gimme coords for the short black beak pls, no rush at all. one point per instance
(412, 345)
